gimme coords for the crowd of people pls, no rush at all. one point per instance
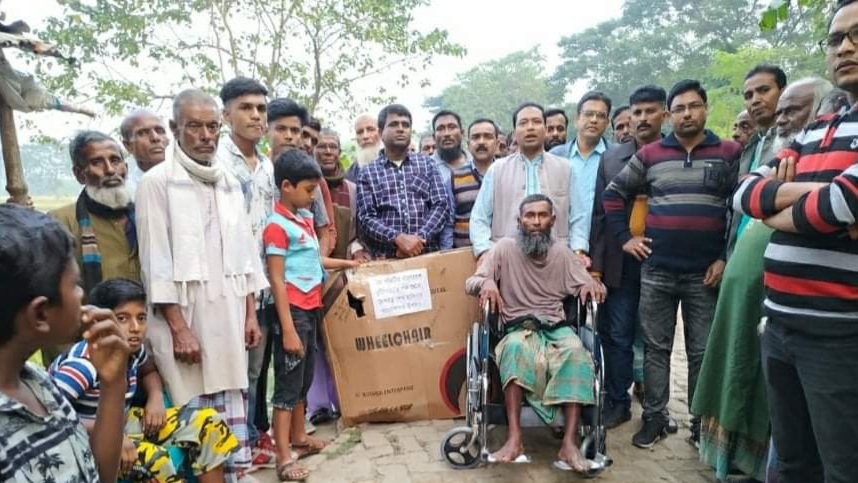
(204, 260)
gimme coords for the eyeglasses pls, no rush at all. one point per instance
(198, 127)
(835, 39)
(597, 115)
(694, 106)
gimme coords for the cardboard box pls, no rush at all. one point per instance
(396, 338)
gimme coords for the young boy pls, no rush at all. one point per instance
(41, 438)
(148, 430)
(295, 270)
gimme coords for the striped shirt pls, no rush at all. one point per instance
(76, 377)
(466, 181)
(52, 448)
(687, 200)
(812, 274)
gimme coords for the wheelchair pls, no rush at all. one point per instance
(466, 446)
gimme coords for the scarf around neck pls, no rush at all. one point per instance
(210, 174)
(90, 254)
(337, 178)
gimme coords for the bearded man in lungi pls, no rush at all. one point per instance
(526, 280)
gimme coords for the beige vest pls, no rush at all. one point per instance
(510, 182)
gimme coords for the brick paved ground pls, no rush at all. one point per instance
(403, 453)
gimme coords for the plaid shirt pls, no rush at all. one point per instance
(392, 200)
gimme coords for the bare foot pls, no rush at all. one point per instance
(571, 455)
(511, 450)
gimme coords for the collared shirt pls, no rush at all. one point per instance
(50, 448)
(483, 210)
(75, 376)
(409, 199)
(133, 177)
(257, 184)
(291, 235)
(585, 171)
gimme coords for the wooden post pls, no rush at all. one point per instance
(16, 185)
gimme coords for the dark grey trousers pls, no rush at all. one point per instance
(662, 293)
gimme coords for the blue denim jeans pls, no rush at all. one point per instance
(619, 321)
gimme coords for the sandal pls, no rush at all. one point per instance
(292, 472)
(309, 448)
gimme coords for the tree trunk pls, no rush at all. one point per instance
(15, 183)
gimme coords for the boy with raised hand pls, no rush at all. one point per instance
(41, 438)
(296, 272)
(151, 429)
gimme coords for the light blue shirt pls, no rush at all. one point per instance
(586, 171)
(481, 215)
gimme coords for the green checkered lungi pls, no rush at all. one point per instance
(551, 365)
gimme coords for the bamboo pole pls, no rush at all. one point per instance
(16, 185)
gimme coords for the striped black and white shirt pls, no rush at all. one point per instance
(811, 277)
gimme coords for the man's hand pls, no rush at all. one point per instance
(409, 245)
(638, 247)
(108, 348)
(252, 332)
(785, 171)
(595, 289)
(292, 343)
(186, 347)
(492, 296)
(154, 416)
(129, 456)
(584, 259)
(713, 274)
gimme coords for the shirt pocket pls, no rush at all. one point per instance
(716, 177)
(419, 187)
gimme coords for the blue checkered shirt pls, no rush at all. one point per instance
(410, 199)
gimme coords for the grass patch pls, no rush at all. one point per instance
(353, 438)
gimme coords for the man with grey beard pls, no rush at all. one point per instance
(369, 144)
(801, 102)
(526, 279)
(101, 220)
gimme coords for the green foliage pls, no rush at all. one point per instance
(495, 88)
(138, 51)
(779, 11)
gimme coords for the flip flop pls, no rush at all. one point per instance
(564, 466)
(305, 450)
(521, 459)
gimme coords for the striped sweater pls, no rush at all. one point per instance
(812, 275)
(466, 181)
(687, 200)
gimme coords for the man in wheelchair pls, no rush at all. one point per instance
(526, 280)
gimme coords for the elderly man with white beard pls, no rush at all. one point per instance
(369, 144)
(101, 220)
(801, 102)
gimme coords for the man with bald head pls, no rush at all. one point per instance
(199, 274)
(144, 136)
(369, 144)
(743, 128)
(799, 104)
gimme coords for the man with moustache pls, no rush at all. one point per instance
(427, 145)
(369, 144)
(201, 279)
(403, 205)
(809, 358)
(556, 125)
(102, 219)
(525, 279)
(688, 177)
(529, 171)
(466, 181)
(762, 89)
(503, 145)
(621, 124)
(449, 155)
(618, 270)
(144, 136)
(585, 152)
(245, 113)
(743, 128)
(801, 102)
(343, 191)
(310, 134)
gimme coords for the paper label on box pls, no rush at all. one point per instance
(400, 293)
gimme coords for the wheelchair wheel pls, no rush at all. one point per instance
(461, 449)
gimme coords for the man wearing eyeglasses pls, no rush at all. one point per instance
(809, 353)
(584, 153)
(688, 177)
(201, 279)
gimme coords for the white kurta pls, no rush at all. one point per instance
(212, 303)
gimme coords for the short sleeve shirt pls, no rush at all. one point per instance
(77, 379)
(277, 243)
(52, 448)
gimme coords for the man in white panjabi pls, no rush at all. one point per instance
(199, 273)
